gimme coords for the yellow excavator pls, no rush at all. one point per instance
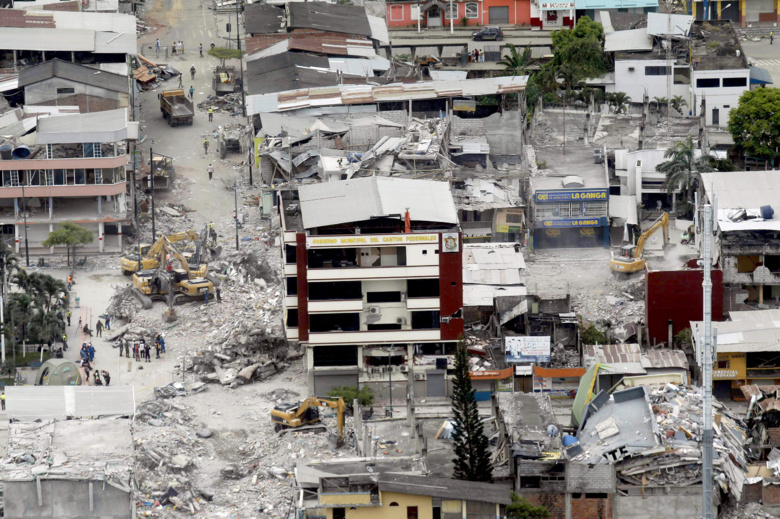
(305, 415)
(188, 283)
(631, 259)
(148, 255)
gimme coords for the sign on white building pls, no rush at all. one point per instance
(527, 349)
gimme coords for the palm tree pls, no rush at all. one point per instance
(20, 307)
(620, 101)
(678, 102)
(515, 63)
(52, 287)
(683, 169)
(659, 101)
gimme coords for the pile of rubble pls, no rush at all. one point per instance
(241, 468)
(625, 305)
(226, 104)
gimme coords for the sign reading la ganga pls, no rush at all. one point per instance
(358, 240)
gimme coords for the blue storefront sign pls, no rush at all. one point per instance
(581, 195)
(572, 223)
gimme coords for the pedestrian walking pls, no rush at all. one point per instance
(91, 350)
(127, 349)
(135, 350)
(157, 348)
(98, 382)
(157, 46)
(108, 322)
(219, 294)
(64, 342)
(70, 282)
(107, 377)
(161, 340)
(181, 47)
(69, 318)
(211, 114)
(200, 48)
(192, 71)
(192, 91)
(209, 169)
(147, 352)
(99, 328)
(2, 399)
(79, 327)
(206, 295)
(181, 85)
(173, 48)
(206, 146)
(481, 56)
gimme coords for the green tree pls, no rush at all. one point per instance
(755, 124)
(472, 459)
(659, 101)
(70, 235)
(619, 100)
(581, 47)
(223, 54)
(683, 169)
(349, 393)
(678, 102)
(516, 63)
(522, 509)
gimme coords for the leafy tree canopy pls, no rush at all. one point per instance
(225, 53)
(69, 234)
(522, 509)
(755, 123)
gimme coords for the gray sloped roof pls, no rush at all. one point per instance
(288, 71)
(73, 72)
(360, 199)
(30, 403)
(106, 126)
(445, 488)
(347, 19)
(263, 19)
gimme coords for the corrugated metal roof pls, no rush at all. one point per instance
(347, 19)
(106, 126)
(263, 19)
(614, 358)
(632, 40)
(742, 189)
(73, 72)
(368, 94)
(492, 264)
(753, 331)
(664, 358)
(47, 39)
(30, 403)
(360, 199)
(9, 82)
(445, 488)
(661, 24)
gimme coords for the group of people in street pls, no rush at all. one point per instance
(178, 48)
(142, 351)
(477, 56)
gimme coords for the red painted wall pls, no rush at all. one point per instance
(451, 290)
(677, 295)
(401, 16)
(303, 287)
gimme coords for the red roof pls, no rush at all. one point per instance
(20, 18)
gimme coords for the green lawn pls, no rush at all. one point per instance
(21, 361)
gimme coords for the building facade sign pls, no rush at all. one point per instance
(570, 222)
(584, 195)
(450, 242)
(527, 349)
(370, 240)
(554, 6)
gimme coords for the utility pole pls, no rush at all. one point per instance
(235, 195)
(240, 64)
(390, 377)
(2, 314)
(26, 244)
(707, 354)
(452, 22)
(151, 181)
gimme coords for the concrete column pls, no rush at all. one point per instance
(72, 57)
(718, 7)
(119, 234)
(100, 204)
(51, 230)
(742, 12)
(16, 207)
(16, 238)
(16, 66)
(463, 510)
(101, 234)
(43, 53)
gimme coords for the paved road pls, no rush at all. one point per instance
(764, 55)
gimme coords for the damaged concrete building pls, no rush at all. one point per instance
(373, 277)
(76, 171)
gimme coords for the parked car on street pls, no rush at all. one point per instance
(488, 33)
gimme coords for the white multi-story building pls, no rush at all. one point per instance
(373, 282)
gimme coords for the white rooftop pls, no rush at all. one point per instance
(749, 331)
(107, 126)
(361, 199)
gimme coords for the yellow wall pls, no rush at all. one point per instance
(734, 371)
(424, 506)
(345, 499)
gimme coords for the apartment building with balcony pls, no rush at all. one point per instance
(75, 171)
(373, 282)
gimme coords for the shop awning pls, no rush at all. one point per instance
(760, 76)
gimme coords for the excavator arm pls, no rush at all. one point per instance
(662, 221)
(294, 419)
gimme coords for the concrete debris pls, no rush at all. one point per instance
(226, 104)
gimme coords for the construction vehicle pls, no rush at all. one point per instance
(148, 254)
(184, 282)
(226, 80)
(176, 108)
(163, 174)
(306, 415)
(631, 259)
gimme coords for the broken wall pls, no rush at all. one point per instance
(64, 499)
(666, 505)
(677, 295)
